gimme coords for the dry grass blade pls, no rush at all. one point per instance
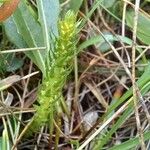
(7, 82)
(97, 94)
(135, 98)
(22, 50)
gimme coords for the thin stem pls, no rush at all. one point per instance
(135, 99)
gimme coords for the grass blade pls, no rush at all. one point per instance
(131, 143)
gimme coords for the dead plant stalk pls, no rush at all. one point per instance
(135, 88)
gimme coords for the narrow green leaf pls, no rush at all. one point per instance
(75, 5)
(93, 8)
(100, 40)
(105, 138)
(142, 81)
(143, 31)
(131, 143)
(5, 139)
(109, 3)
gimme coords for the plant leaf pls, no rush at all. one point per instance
(75, 5)
(131, 143)
(13, 64)
(143, 31)
(15, 37)
(9, 63)
(49, 11)
(30, 31)
(109, 3)
(100, 40)
(48, 22)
